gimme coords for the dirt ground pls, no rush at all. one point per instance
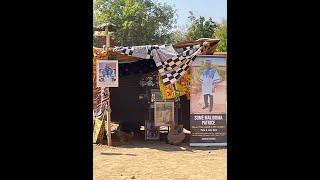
(156, 160)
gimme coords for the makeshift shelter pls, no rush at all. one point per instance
(167, 67)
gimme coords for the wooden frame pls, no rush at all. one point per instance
(163, 113)
(109, 80)
(151, 132)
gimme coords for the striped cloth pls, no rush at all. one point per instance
(100, 99)
(100, 95)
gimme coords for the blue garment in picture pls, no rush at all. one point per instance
(104, 73)
(208, 72)
(109, 73)
(209, 77)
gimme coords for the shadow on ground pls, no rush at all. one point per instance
(118, 154)
(139, 142)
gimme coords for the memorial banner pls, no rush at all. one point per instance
(208, 101)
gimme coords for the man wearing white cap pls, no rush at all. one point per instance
(209, 77)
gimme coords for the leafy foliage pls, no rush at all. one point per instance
(139, 22)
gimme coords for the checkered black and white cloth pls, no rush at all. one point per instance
(172, 63)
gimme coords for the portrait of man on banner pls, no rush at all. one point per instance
(209, 77)
(208, 101)
(208, 86)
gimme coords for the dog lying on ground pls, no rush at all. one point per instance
(176, 134)
(125, 137)
(127, 130)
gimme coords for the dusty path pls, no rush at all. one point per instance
(159, 161)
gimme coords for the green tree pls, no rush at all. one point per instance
(221, 33)
(139, 22)
(200, 27)
(178, 35)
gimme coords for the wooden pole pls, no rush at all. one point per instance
(109, 121)
(108, 91)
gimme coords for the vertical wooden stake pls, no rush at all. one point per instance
(108, 91)
(109, 121)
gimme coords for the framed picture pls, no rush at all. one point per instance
(163, 113)
(107, 73)
(152, 132)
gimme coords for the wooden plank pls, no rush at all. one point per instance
(98, 127)
(109, 127)
(108, 109)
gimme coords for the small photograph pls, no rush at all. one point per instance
(107, 73)
(163, 113)
(152, 132)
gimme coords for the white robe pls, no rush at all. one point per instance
(164, 115)
(208, 82)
